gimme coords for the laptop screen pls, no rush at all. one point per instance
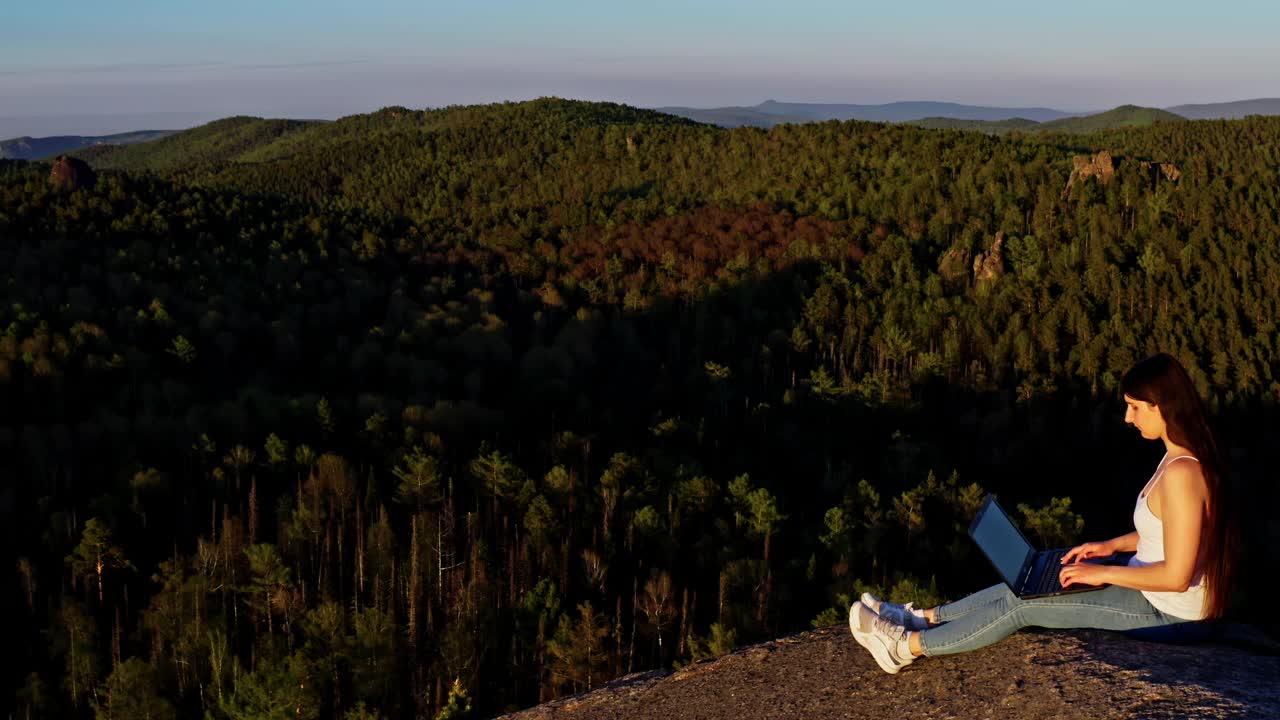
(996, 534)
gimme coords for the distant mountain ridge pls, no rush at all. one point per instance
(1228, 110)
(246, 140)
(32, 148)
(772, 112)
(241, 139)
(1121, 117)
(256, 134)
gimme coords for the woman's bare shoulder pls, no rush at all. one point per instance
(1183, 480)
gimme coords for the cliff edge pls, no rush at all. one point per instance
(1032, 674)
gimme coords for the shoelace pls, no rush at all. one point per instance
(888, 628)
(897, 613)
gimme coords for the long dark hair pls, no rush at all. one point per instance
(1162, 381)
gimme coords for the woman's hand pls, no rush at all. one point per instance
(1083, 574)
(1086, 551)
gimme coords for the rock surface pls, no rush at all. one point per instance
(1099, 165)
(1032, 674)
(1103, 166)
(1158, 170)
(989, 265)
(954, 266)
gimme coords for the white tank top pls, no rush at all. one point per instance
(1188, 604)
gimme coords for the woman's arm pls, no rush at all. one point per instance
(1124, 543)
(1156, 576)
(1182, 503)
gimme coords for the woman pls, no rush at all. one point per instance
(1185, 542)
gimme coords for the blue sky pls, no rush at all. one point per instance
(321, 58)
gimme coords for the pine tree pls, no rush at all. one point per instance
(577, 650)
(96, 555)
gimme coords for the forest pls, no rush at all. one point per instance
(447, 413)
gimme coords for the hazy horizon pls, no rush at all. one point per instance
(92, 125)
(325, 59)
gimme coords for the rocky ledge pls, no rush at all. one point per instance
(1032, 674)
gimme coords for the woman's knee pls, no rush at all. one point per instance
(989, 597)
(997, 593)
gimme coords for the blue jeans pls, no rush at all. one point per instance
(993, 614)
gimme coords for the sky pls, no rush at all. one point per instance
(78, 65)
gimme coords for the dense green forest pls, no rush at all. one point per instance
(437, 413)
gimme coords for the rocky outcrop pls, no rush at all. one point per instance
(954, 266)
(71, 173)
(960, 269)
(989, 266)
(1031, 674)
(1099, 165)
(1156, 170)
(1103, 167)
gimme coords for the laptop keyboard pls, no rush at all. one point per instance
(1049, 568)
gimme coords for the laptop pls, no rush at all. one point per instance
(1028, 573)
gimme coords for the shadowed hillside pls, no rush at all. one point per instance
(221, 141)
(994, 127)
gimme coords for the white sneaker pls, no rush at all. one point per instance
(897, 614)
(879, 636)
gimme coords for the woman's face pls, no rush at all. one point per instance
(1144, 416)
